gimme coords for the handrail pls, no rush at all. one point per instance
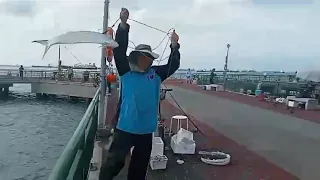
(74, 161)
(43, 74)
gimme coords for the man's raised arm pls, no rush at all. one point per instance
(172, 66)
(122, 38)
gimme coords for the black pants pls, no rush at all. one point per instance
(21, 74)
(118, 151)
(109, 87)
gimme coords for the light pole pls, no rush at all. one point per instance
(226, 67)
(102, 107)
(59, 61)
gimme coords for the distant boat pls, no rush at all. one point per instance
(85, 66)
(49, 66)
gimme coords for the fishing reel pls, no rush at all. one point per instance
(163, 92)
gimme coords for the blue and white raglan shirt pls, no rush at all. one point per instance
(139, 100)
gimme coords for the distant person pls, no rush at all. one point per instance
(109, 83)
(212, 76)
(109, 78)
(189, 76)
(21, 69)
(70, 73)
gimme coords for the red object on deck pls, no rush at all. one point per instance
(261, 97)
(111, 78)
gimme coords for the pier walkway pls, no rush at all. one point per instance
(48, 82)
(8, 76)
(263, 144)
(289, 142)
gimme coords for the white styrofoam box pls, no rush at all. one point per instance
(158, 162)
(194, 82)
(219, 88)
(157, 147)
(216, 87)
(182, 133)
(208, 87)
(291, 104)
(182, 148)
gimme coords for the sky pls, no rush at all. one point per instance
(264, 34)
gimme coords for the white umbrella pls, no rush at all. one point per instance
(313, 75)
(77, 37)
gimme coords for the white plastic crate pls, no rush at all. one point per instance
(157, 147)
(182, 148)
(158, 162)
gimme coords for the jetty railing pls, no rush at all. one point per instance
(49, 74)
(74, 162)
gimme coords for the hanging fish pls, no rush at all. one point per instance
(77, 37)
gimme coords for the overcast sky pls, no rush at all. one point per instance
(264, 34)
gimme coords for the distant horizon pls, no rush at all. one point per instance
(181, 69)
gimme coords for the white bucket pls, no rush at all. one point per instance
(158, 162)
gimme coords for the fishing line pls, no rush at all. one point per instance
(164, 50)
(148, 26)
(73, 55)
(167, 35)
(176, 102)
(80, 63)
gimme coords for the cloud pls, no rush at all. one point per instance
(261, 36)
(19, 7)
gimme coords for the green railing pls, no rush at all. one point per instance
(74, 163)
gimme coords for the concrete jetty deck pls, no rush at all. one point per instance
(310, 115)
(288, 142)
(264, 144)
(46, 84)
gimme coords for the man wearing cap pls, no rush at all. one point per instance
(139, 101)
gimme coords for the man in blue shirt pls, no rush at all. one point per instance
(139, 101)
